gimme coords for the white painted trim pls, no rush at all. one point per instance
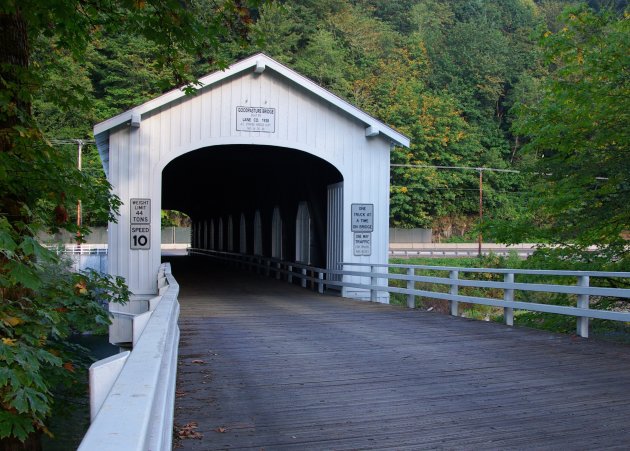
(245, 141)
(257, 61)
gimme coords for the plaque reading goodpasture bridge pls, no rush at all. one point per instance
(255, 119)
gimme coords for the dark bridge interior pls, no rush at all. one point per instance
(219, 181)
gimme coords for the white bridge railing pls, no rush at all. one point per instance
(132, 394)
(369, 277)
(457, 250)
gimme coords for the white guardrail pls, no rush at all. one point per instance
(373, 273)
(80, 249)
(132, 394)
(397, 250)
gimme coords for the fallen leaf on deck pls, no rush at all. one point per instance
(221, 429)
(188, 431)
(198, 361)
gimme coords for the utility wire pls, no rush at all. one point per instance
(60, 142)
(464, 168)
(479, 170)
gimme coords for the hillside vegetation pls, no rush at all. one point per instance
(470, 82)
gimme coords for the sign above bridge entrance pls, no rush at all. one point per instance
(255, 119)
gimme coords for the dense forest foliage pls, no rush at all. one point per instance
(451, 74)
(58, 61)
(534, 86)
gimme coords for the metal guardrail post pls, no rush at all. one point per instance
(373, 282)
(303, 281)
(583, 302)
(290, 275)
(278, 271)
(508, 295)
(454, 275)
(411, 284)
(320, 288)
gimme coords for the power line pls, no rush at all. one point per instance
(464, 168)
(479, 170)
(74, 141)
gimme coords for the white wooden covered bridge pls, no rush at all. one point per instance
(272, 167)
(263, 160)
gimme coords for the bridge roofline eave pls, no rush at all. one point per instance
(257, 63)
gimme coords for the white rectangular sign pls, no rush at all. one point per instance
(140, 237)
(140, 211)
(362, 244)
(255, 119)
(362, 217)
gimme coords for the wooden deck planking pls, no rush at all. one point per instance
(285, 368)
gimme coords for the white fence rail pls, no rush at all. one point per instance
(82, 249)
(132, 394)
(439, 251)
(369, 276)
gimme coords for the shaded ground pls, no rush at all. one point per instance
(267, 365)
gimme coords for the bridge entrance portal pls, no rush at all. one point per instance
(263, 160)
(218, 186)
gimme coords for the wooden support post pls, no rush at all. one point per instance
(303, 281)
(373, 282)
(583, 302)
(411, 284)
(290, 275)
(320, 288)
(454, 275)
(508, 295)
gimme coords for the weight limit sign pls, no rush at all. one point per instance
(140, 218)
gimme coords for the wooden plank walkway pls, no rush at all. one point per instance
(268, 366)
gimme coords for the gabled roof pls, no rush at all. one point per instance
(259, 62)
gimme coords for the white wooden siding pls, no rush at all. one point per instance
(334, 246)
(303, 234)
(303, 122)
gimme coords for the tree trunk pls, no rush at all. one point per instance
(14, 62)
(32, 443)
(14, 58)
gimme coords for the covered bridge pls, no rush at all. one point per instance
(263, 160)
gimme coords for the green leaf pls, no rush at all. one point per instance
(24, 274)
(18, 426)
(7, 244)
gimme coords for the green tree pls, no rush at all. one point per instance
(42, 47)
(578, 142)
